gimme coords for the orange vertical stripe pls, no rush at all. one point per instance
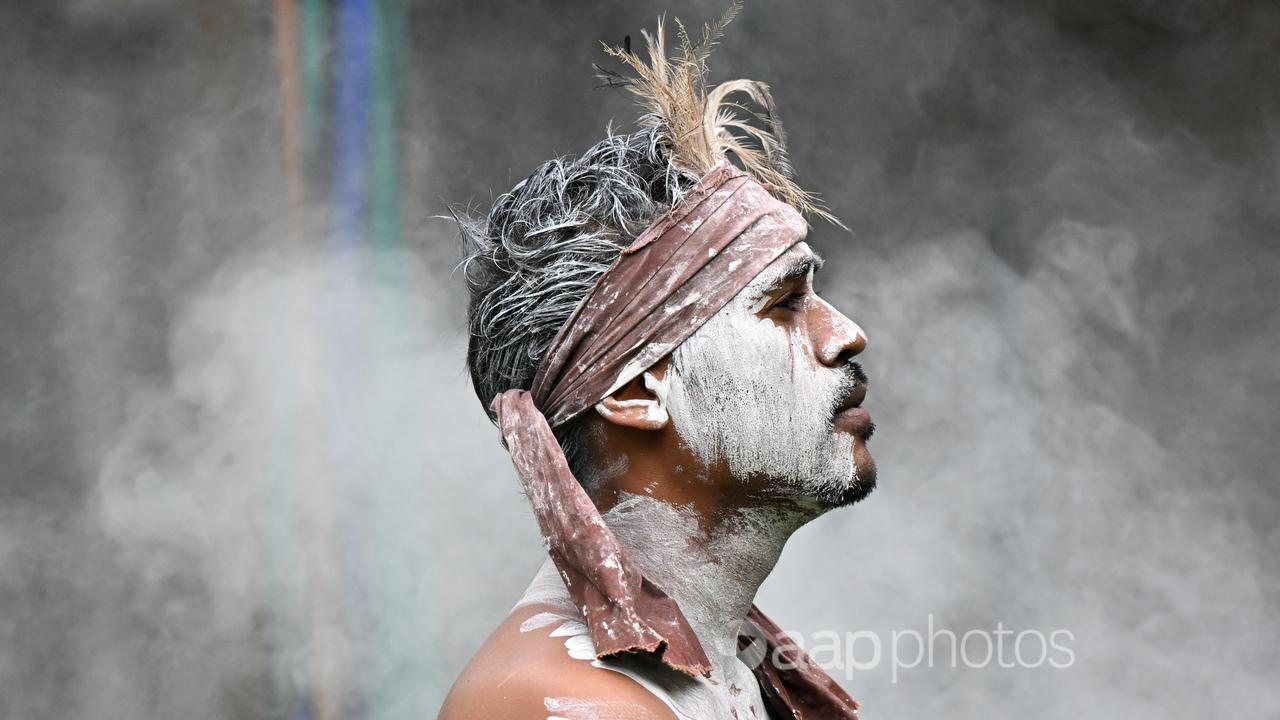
(290, 99)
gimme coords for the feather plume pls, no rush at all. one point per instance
(699, 126)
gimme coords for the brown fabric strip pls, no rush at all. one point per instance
(624, 611)
(676, 275)
(793, 687)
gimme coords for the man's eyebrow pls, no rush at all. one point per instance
(801, 268)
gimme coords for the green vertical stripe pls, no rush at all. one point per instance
(400, 674)
(388, 74)
(313, 41)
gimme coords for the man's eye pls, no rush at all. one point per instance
(791, 301)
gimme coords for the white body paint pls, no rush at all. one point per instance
(687, 698)
(567, 708)
(712, 576)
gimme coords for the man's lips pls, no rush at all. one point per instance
(856, 420)
(851, 416)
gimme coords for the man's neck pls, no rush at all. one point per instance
(711, 567)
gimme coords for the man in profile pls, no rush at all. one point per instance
(677, 402)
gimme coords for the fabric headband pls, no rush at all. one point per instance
(677, 274)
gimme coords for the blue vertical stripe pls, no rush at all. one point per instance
(355, 28)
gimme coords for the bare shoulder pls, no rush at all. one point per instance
(531, 675)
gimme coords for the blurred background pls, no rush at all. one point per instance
(243, 471)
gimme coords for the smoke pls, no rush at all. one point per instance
(1064, 301)
(240, 479)
(1040, 501)
(278, 503)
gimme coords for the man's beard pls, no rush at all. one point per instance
(745, 393)
(864, 479)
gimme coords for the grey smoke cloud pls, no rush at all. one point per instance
(237, 473)
(286, 472)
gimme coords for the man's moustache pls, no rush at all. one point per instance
(851, 377)
(854, 370)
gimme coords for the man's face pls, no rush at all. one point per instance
(768, 390)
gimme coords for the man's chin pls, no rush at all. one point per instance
(860, 485)
(842, 479)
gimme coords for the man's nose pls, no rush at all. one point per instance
(839, 338)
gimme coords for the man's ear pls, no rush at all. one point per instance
(641, 403)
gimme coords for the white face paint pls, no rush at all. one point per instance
(751, 393)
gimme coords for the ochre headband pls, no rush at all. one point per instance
(677, 274)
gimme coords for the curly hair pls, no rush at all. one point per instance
(533, 258)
